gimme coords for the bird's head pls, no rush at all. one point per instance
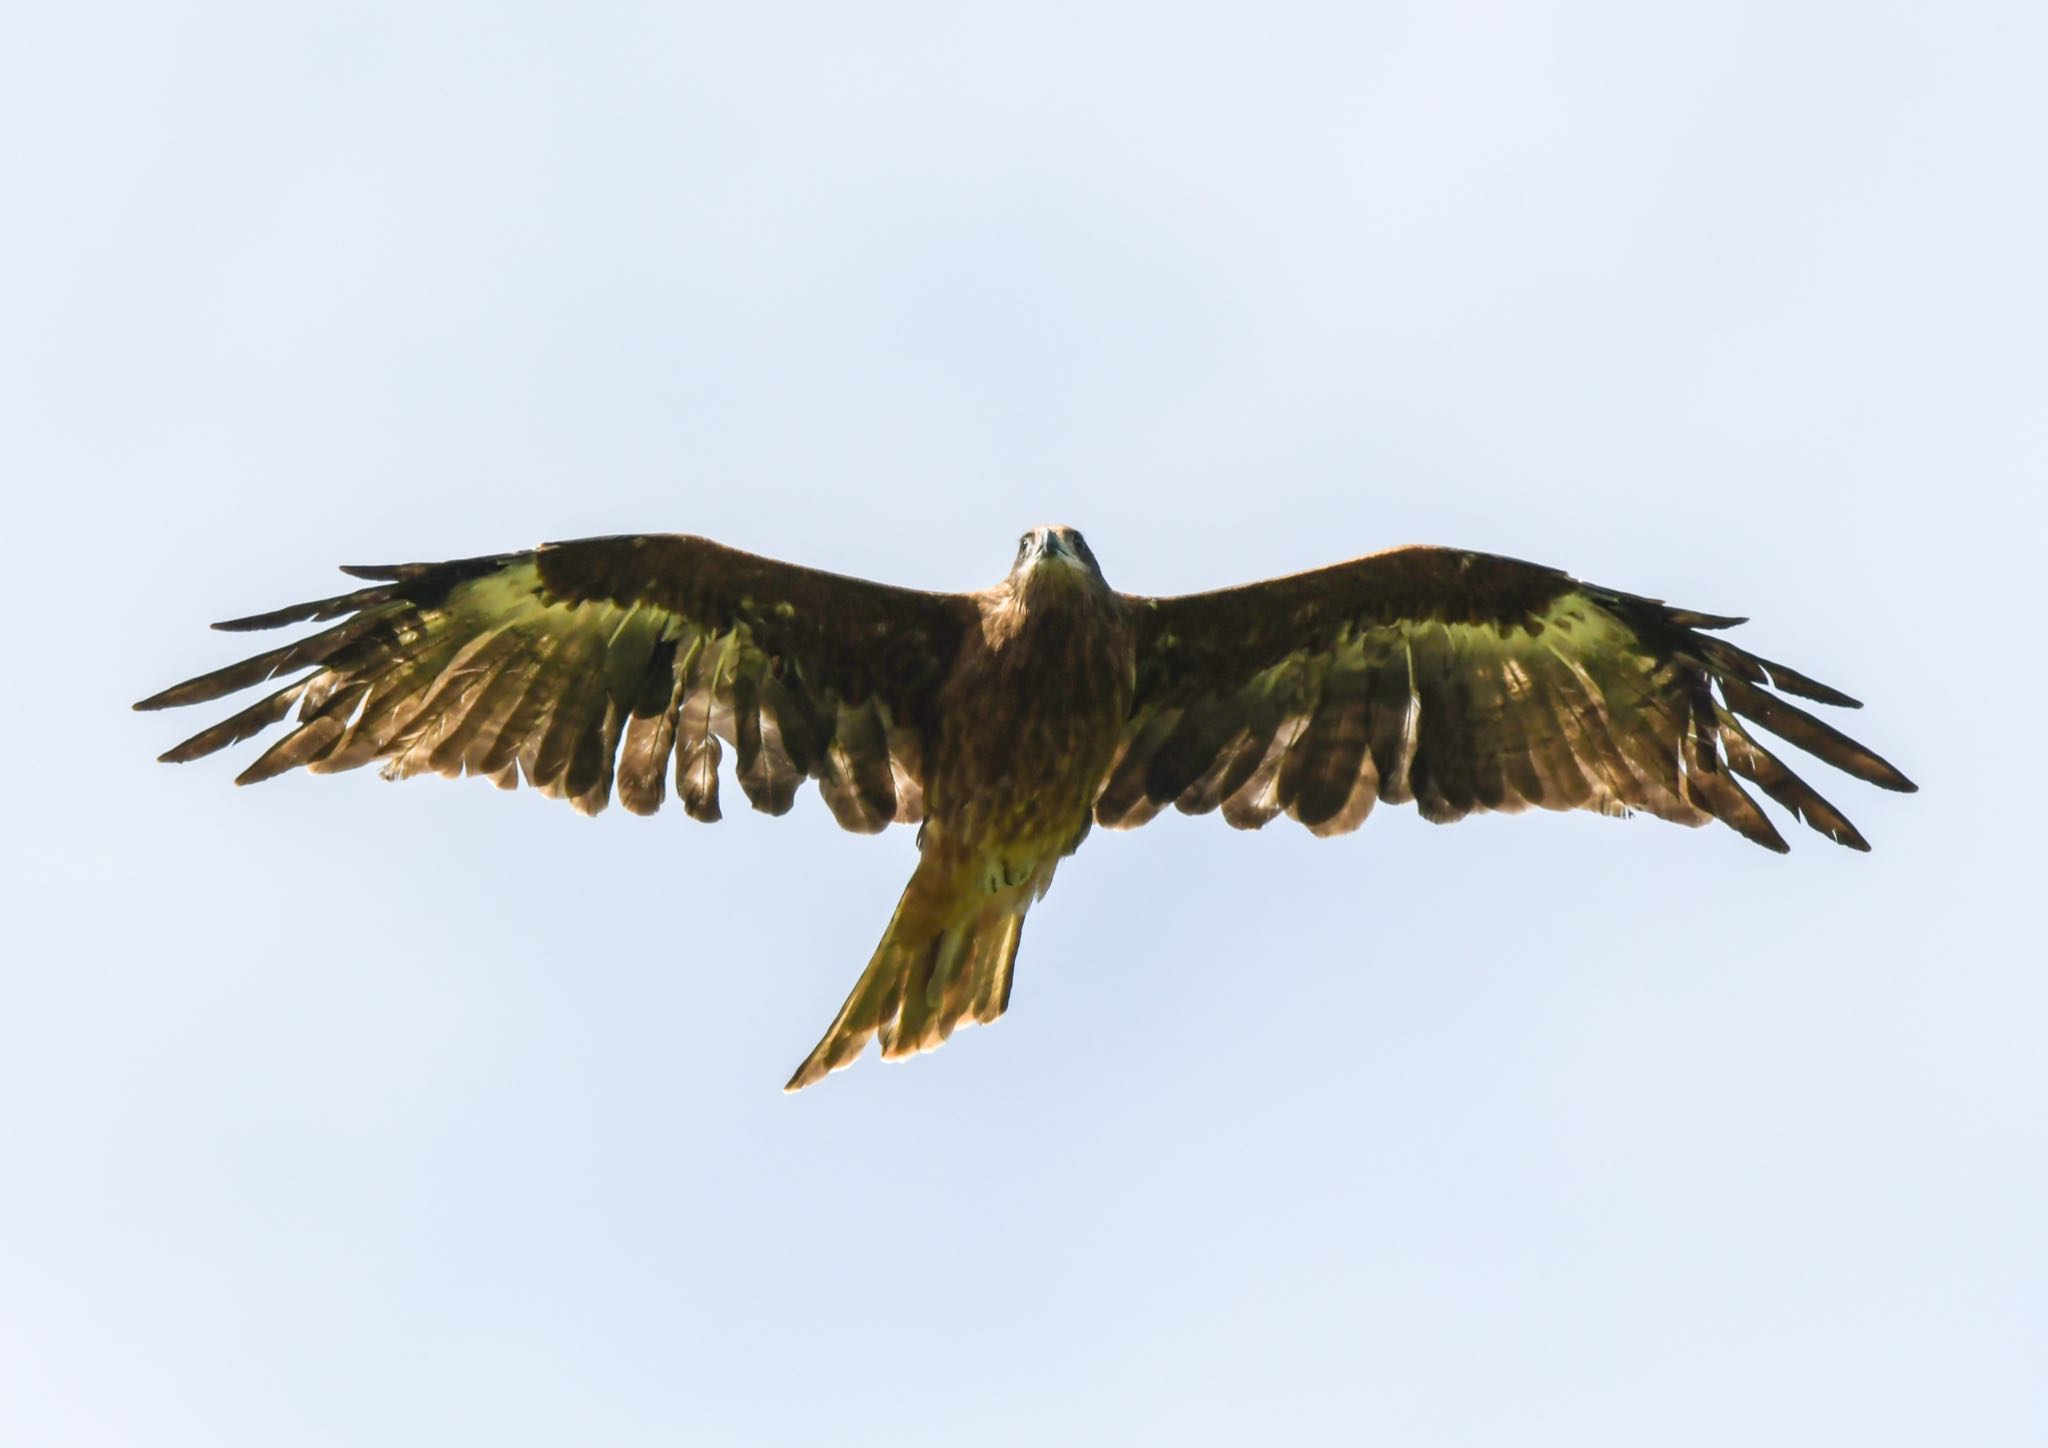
(1059, 554)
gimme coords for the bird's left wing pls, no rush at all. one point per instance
(1463, 681)
(579, 660)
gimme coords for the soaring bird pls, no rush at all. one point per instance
(1007, 722)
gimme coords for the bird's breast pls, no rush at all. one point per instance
(1030, 721)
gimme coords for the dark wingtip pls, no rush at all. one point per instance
(251, 622)
(1885, 775)
(1846, 835)
(192, 691)
(1798, 684)
(375, 572)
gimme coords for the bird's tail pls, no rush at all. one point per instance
(935, 969)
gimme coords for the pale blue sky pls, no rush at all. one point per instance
(339, 1113)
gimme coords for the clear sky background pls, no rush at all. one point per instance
(337, 1113)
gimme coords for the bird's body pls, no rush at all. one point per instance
(1027, 726)
(1031, 712)
(1009, 721)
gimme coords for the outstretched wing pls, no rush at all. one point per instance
(1463, 681)
(574, 660)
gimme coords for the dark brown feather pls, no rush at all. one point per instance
(1124, 799)
(1320, 773)
(1728, 659)
(697, 746)
(1755, 763)
(1708, 784)
(1204, 794)
(576, 702)
(1441, 773)
(1796, 726)
(236, 727)
(464, 740)
(1390, 714)
(319, 611)
(854, 778)
(651, 733)
(1255, 803)
(303, 745)
(519, 713)
(1191, 746)
(1547, 709)
(303, 654)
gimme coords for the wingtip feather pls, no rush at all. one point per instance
(1791, 681)
(170, 698)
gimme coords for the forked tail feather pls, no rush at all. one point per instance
(924, 979)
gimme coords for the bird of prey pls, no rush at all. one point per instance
(1010, 720)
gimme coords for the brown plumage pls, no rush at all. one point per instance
(1010, 720)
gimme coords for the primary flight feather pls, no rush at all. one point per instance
(1010, 720)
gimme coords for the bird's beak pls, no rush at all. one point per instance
(1053, 549)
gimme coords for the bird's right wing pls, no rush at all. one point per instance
(579, 660)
